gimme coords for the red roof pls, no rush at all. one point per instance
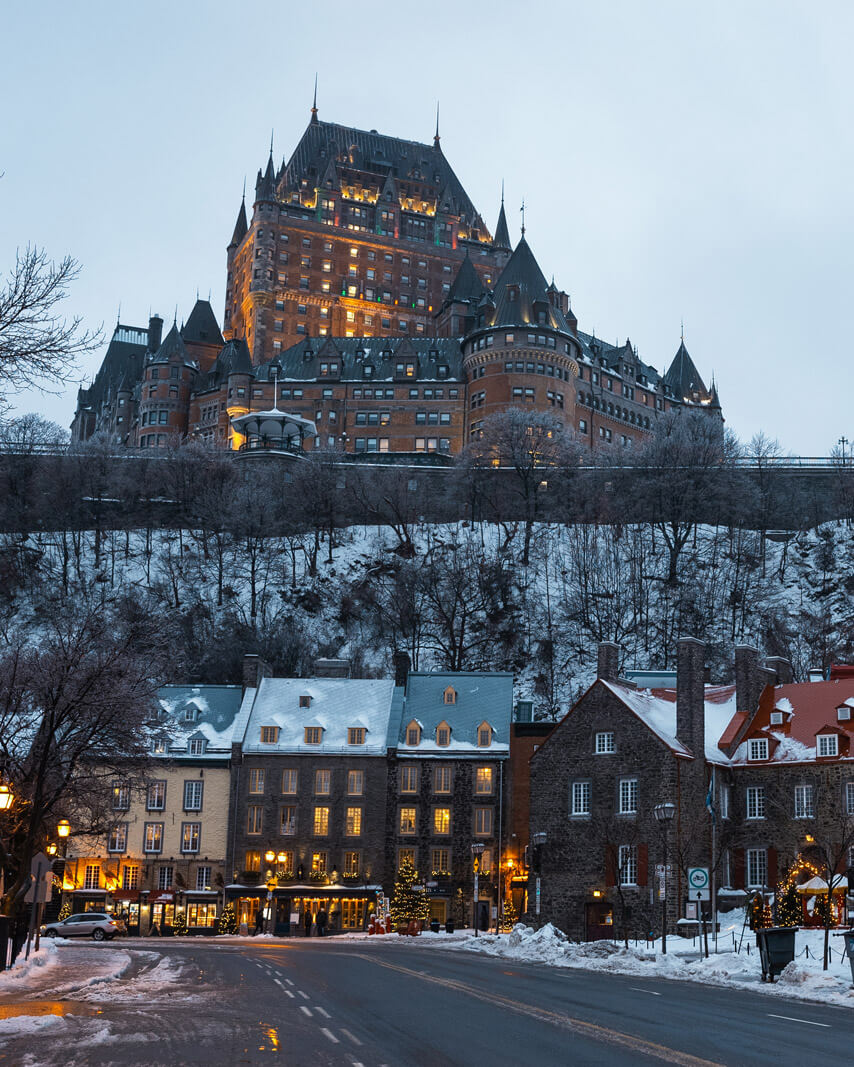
(838, 671)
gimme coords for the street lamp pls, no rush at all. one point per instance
(476, 852)
(7, 798)
(270, 857)
(538, 840)
(63, 827)
(664, 816)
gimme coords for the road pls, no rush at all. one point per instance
(394, 1003)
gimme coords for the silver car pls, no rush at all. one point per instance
(95, 924)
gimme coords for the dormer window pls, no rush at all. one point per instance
(484, 735)
(443, 735)
(191, 713)
(313, 735)
(413, 733)
(757, 748)
(776, 718)
(196, 746)
(269, 735)
(843, 713)
(356, 735)
(449, 696)
(827, 745)
(305, 701)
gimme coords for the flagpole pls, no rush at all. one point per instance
(713, 872)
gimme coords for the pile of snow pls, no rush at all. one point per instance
(20, 974)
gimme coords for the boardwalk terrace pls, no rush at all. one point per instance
(365, 293)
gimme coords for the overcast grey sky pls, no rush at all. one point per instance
(678, 160)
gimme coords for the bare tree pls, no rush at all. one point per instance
(33, 433)
(38, 347)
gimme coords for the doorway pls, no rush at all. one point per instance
(599, 920)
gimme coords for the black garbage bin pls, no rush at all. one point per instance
(434, 926)
(849, 947)
(776, 946)
(449, 927)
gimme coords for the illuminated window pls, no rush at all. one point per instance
(441, 821)
(92, 877)
(191, 833)
(319, 861)
(256, 780)
(351, 864)
(117, 840)
(252, 860)
(409, 779)
(254, 819)
(121, 796)
(407, 820)
(321, 822)
(152, 837)
(440, 861)
(483, 822)
(313, 735)
(405, 855)
(356, 735)
(355, 783)
(289, 780)
(269, 735)
(353, 822)
(483, 780)
(285, 862)
(442, 779)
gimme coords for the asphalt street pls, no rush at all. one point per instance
(399, 1004)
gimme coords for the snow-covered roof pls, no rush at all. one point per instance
(481, 696)
(336, 705)
(657, 708)
(214, 710)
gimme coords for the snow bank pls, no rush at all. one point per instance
(20, 973)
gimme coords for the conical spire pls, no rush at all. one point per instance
(314, 102)
(436, 134)
(241, 225)
(501, 240)
(682, 376)
(467, 285)
(265, 186)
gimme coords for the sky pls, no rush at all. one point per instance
(680, 162)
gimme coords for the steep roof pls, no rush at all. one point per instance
(122, 364)
(501, 240)
(172, 348)
(481, 696)
(240, 226)
(381, 353)
(214, 710)
(683, 377)
(336, 704)
(233, 359)
(323, 143)
(201, 327)
(521, 286)
(467, 285)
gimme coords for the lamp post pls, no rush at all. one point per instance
(476, 852)
(664, 816)
(7, 799)
(538, 840)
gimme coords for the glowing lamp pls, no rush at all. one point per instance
(51, 849)
(63, 827)
(270, 855)
(810, 839)
(597, 893)
(7, 797)
(282, 857)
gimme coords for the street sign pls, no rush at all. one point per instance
(698, 883)
(39, 892)
(662, 881)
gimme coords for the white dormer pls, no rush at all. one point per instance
(757, 748)
(449, 696)
(843, 713)
(196, 745)
(826, 745)
(776, 718)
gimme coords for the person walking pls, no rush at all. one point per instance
(259, 922)
(307, 921)
(321, 922)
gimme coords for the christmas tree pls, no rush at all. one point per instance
(407, 902)
(788, 904)
(509, 915)
(179, 926)
(226, 922)
(65, 910)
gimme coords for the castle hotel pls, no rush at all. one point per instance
(367, 299)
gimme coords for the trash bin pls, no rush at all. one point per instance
(449, 927)
(776, 946)
(434, 926)
(849, 948)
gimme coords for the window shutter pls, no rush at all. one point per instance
(738, 868)
(643, 863)
(772, 867)
(610, 866)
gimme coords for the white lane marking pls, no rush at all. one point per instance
(302, 1007)
(352, 1037)
(304, 996)
(278, 983)
(330, 1035)
(289, 981)
(638, 989)
(791, 1019)
(322, 1011)
(289, 994)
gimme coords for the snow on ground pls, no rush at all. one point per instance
(64, 969)
(803, 978)
(19, 976)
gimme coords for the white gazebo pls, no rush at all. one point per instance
(271, 431)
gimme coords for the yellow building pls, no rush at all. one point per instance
(163, 858)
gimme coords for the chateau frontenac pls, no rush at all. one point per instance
(368, 302)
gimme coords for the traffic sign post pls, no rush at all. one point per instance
(699, 889)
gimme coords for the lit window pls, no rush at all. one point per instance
(441, 821)
(351, 864)
(407, 820)
(353, 822)
(313, 735)
(409, 779)
(117, 840)
(828, 745)
(256, 780)
(269, 735)
(405, 855)
(321, 822)
(483, 780)
(252, 861)
(757, 748)
(152, 837)
(356, 735)
(121, 796)
(605, 744)
(92, 877)
(190, 834)
(318, 863)
(440, 861)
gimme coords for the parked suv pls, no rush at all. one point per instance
(95, 924)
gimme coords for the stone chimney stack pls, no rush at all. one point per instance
(402, 667)
(690, 695)
(331, 668)
(608, 661)
(782, 668)
(155, 332)
(746, 665)
(254, 669)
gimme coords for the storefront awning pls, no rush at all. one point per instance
(92, 892)
(161, 898)
(126, 894)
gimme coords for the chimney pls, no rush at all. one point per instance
(331, 668)
(155, 332)
(763, 676)
(746, 663)
(782, 668)
(690, 695)
(402, 667)
(254, 669)
(608, 661)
